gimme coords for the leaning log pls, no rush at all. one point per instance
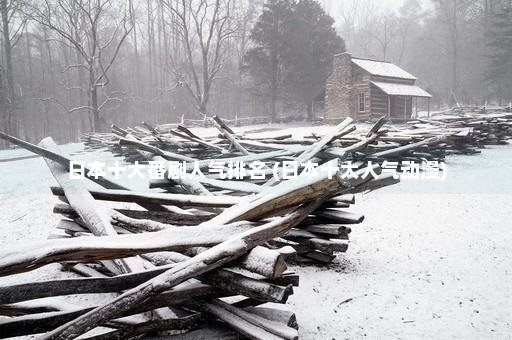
(95, 218)
(26, 257)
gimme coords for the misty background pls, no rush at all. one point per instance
(71, 66)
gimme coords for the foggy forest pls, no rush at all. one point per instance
(71, 66)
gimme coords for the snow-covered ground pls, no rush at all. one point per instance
(431, 260)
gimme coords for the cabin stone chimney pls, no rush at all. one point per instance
(339, 93)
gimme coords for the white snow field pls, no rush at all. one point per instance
(431, 260)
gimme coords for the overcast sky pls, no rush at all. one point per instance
(390, 3)
(334, 5)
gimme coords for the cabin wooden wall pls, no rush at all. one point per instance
(362, 86)
(379, 102)
(379, 99)
(379, 105)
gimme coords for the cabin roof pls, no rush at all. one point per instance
(382, 68)
(401, 89)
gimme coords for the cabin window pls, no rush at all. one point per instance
(360, 100)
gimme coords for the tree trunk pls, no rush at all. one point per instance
(29, 60)
(95, 110)
(51, 109)
(140, 84)
(81, 83)
(93, 95)
(309, 106)
(274, 86)
(273, 104)
(454, 69)
(9, 77)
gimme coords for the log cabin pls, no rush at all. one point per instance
(365, 89)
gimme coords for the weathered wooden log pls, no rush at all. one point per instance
(33, 324)
(228, 133)
(19, 310)
(285, 317)
(376, 127)
(95, 218)
(137, 225)
(36, 290)
(384, 180)
(249, 324)
(333, 204)
(133, 143)
(247, 302)
(155, 325)
(187, 131)
(75, 229)
(340, 216)
(203, 164)
(232, 185)
(37, 323)
(66, 163)
(20, 258)
(346, 198)
(165, 199)
(260, 260)
(60, 159)
(298, 234)
(273, 138)
(328, 245)
(344, 132)
(319, 256)
(315, 220)
(197, 140)
(242, 285)
(209, 331)
(342, 153)
(190, 184)
(266, 262)
(286, 279)
(206, 261)
(157, 216)
(285, 195)
(84, 270)
(316, 147)
(429, 141)
(332, 230)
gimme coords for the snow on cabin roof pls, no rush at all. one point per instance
(401, 90)
(382, 68)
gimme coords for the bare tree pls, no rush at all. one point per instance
(385, 31)
(349, 18)
(454, 16)
(409, 19)
(96, 30)
(133, 19)
(377, 29)
(13, 24)
(247, 15)
(204, 28)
